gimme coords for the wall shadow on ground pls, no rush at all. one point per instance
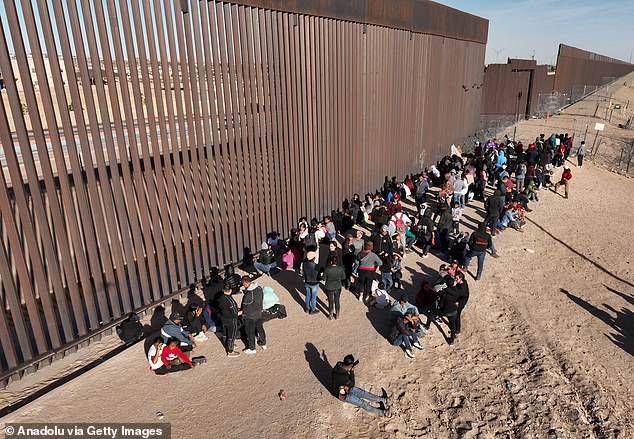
(621, 321)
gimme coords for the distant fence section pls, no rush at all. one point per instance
(145, 143)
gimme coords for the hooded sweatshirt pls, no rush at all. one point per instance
(173, 330)
(252, 302)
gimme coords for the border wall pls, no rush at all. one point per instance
(145, 143)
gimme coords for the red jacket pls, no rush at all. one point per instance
(170, 354)
(567, 175)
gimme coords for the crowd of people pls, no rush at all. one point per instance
(361, 247)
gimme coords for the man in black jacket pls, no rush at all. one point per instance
(463, 291)
(383, 246)
(252, 314)
(479, 242)
(451, 300)
(343, 387)
(494, 206)
(229, 314)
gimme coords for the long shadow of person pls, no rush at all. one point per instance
(319, 365)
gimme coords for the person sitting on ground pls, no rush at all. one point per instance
(156, 363)
(194, 322)
(271, 306)
(130, 330)
(380, 297)
(266, 260)
(174, 329)
(343, 387)
(173, 356)
(229, 314)
(404, 334)
(402, 306)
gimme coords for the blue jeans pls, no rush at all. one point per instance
(407, 339)
(480, 256)
(458, 199)
(386, 278)
(311, 297)
(358, 397)
(264, 268)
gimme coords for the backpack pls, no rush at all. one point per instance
(399, 224)
(310, 240)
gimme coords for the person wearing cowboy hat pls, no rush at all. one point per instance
(343, 387)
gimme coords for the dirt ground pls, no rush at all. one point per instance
(546, 349)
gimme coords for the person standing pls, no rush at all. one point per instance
(479, 242)
(311, 282)
(368, 263)
(229, 314)
(494, 206)
(451, 299)
(334, 276)
(581, 152)
(343, 387)
(252, 315)
(566, 176)
(463, 292)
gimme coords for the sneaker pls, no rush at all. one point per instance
(199, 360)
(360, 298)
(409, 354)
(330, 317)
(263, 346)
(425, 255)
(388, 413)
(495, 255)
(249, 351)
(426, 327)
(452, 342)
(419, 346)
(313, 312)
(201, 337)
(389, 399)
(233, 354)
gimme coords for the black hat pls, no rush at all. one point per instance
(348, 360)
(176, 316)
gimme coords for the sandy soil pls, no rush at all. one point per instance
(546, 349)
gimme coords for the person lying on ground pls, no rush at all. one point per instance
(343, 387)
(174, 329)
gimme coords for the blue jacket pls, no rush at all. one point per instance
(172, 330)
